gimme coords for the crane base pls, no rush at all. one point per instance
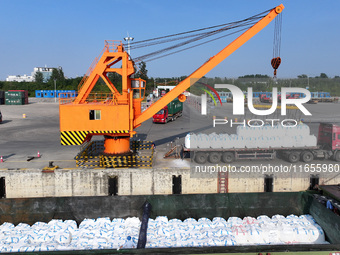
(117, 146)
(92, 155)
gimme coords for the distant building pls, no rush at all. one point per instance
(46, 72)
(20, 78)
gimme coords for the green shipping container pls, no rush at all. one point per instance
(15, 101)
(175, 106)
(14, 98)
(14, 94)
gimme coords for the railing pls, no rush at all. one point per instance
(99, 98)
(107, 98)
(110, 46)
(67, 97)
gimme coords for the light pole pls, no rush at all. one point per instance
(55, 90)
(128, 39)
(308, 81)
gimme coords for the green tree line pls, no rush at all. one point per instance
(257, 81)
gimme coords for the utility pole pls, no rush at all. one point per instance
(308, 81)
(55, 90)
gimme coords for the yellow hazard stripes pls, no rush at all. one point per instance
(78, 137)
(91, 155)
(72, 137)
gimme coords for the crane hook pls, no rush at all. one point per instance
(275, 64)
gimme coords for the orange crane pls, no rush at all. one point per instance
(115, 115)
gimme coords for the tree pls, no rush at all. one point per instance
(142, 72)
(302, 76)
(57, 74)
(323, 75)
(39, 78)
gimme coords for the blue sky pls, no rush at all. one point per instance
(71, 33)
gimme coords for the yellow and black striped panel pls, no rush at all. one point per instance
(78, 137)
(113, 132)
(72, 137)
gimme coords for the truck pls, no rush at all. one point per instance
(289, 96)
(327, 147)
(265, 99)
(169, 113)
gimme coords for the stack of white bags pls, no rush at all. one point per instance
(102, 233)
(254, 137)
(235, 231)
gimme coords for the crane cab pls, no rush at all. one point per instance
(138, 87)
(138, 95)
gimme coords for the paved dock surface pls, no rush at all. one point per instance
(21, 138)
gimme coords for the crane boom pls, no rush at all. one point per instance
(208, 66)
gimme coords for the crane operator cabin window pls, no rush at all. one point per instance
(138, 87)
(94, 114)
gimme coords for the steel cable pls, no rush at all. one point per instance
(191, 36)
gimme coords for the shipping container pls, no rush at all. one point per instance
(15, 101)
(175, 106)
(15, 98)
(14, 94)
(55, 93)
(24, 94)
(2, 97)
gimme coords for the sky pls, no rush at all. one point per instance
(71, 33)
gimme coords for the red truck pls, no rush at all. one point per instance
(265, 99)
(328, 147)
(289, 96)
(169, 113)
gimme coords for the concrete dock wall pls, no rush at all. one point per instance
(95, 182)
